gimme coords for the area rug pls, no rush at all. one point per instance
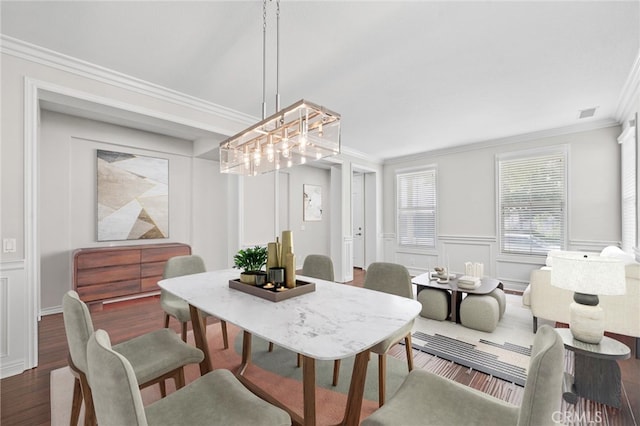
(277, 373)
(503, 353)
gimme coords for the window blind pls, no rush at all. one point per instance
(416, 208)
(628, 175)
(532, 202)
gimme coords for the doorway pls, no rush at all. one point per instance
(358, 219)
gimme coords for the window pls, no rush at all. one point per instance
(416, 208)
(629, 180)
(531, 201)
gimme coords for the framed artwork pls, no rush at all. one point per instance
(132, 197)
(312, 199)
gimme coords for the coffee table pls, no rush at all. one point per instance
(596, 373)
(487, 285)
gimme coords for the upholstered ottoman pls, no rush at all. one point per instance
(500, 297)
(436, 304)
(480, 312)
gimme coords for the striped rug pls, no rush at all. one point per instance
(473, 356)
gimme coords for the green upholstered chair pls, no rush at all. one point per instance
(155, 356)
(174, 306)
(318, 266)
(394, 279)
(428, 399)
(217, 398)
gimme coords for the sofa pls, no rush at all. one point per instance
(622, 313)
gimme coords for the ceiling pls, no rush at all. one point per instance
(407, 77)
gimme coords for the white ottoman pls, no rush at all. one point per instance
(501, 298)
(480, 312)
(436, 304)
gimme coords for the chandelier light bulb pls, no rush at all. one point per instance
(270, 152)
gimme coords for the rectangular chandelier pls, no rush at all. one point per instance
(298, 134)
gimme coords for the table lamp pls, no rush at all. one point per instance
(587, 276)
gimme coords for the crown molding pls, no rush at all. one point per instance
(40, 55)
(630, 93)
(558, 131)
(359, 155)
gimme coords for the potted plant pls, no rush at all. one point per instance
(250, 260)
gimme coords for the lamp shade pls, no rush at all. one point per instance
(588, 274)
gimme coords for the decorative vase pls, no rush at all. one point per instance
(272, 256)
(287, 244)
(290, 270)
(248, 277)
(276, 276)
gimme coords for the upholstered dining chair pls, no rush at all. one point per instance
(173, 306)
(217, 398)
(155, 356)
(425, 398)
(394, 279)
(318, 266)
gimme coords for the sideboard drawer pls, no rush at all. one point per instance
(102, 273)
(92, 293)
(108, 258)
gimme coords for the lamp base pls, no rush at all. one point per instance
(587, 322)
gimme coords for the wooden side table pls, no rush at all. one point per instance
(596, 373)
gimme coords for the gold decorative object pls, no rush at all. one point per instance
(290, 270)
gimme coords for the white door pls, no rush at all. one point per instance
(357, 205)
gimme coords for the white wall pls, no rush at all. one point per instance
(68, 195)
(467, 203)
(261, 204)
(27, 74)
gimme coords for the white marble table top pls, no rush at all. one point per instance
(333, 322)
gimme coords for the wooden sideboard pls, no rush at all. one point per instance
(103, 273)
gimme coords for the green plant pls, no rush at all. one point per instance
(250, 259)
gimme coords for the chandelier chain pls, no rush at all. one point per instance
(264, 59)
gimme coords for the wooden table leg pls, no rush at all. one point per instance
(246, 352)
(246, 361)
(356, 390)
(309, 390)
(200, 336)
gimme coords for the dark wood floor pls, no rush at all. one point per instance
(25, 397)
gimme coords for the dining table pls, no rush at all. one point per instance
(335, 321)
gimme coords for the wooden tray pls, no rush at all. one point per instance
(302, 287)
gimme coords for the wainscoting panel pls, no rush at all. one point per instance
(455, 251)
(4, 315)
(514, 274)
(347, 260)
(16, 335)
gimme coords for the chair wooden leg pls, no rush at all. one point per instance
(299, 361)
(336, 372)
(179, 378)
(76, 402)
(382, 374)
(166, 320)
(225, 339)
(184, 332)
(270, 346)
(89, 410)
(409, 349)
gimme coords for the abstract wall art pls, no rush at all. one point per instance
(133, 196)
(312, 198)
